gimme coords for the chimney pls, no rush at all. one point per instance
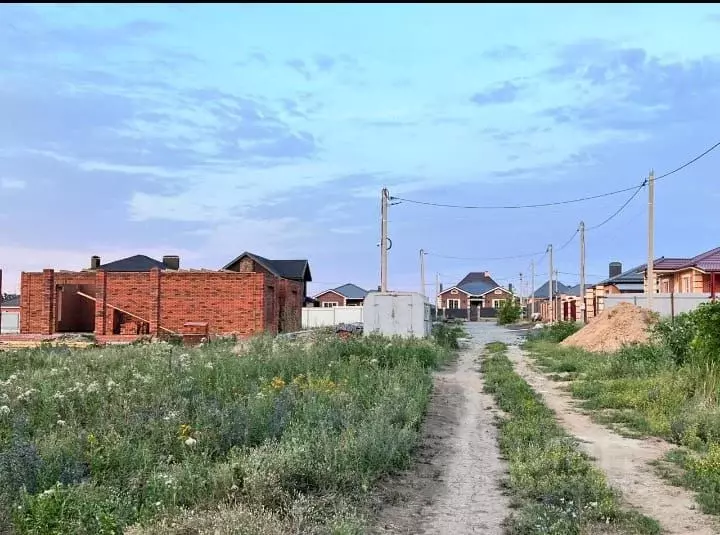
(510, 287)
(94, 262)
(615, 269)
(171, 262)
(441, 287)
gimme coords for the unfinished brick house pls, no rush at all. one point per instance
(140, 295)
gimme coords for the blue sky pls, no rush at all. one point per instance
(206, 130)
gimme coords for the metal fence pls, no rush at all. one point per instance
(666, 304)
(327, 317)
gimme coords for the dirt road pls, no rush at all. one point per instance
(623, 460)
(454, 486)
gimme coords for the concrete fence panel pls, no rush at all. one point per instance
(327, 317)
(667, 305)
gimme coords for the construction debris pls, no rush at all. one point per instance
(624, 324)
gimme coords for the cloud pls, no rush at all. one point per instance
(627, 89)
(504, 53)
(500, 94)
(12, 183)
(321, 64)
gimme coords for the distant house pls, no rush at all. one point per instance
(347, 295)
(9, 313)
(477, 295)
(700, 274)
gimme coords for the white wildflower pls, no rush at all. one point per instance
(373, 361)
(234, 487)
(4, 409)
(190, 441)
(26, 395)
(60, 423)
(53, 371)
(209, 365)
(111, 384)
(93, 387)
(58, 396)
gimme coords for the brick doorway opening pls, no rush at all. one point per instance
(74, 311)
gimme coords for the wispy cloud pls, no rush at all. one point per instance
(500, 94)
(504, 53)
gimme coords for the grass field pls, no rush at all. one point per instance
(669, 388)
(555, 487)
(282, 438)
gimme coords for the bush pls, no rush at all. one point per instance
(555, 332)
(509, 312)
(676, 335)
(447, 334)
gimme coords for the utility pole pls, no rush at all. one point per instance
(551, 305)
(651, 240)
(582, 272)
(532, 284)
(385, 197)
(558, 313)
(521, 292)
(422, 272)
(438, 304)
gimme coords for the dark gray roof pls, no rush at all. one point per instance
(287, 269)
(561, 289)
(10, 300)
(138, 262)
(351, 291)
(477, 276)
(479, 287)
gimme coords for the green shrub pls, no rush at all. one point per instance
(447, 334)
(677, 335)
(555, 332)
(509, 312)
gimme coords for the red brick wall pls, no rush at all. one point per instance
(462, 296)
(230, 302)
(331, 297)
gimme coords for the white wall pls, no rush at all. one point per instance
(327, 317)
(665, 304)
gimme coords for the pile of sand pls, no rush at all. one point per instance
(621, 325)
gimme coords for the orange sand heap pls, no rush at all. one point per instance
(621, 325)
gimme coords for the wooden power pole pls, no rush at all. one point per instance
(532, 285)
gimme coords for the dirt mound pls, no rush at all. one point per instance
(623, 324)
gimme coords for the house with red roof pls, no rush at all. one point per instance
(700, 274)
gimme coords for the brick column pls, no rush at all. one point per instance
(155, 275)
(100, 302)
(47, 316)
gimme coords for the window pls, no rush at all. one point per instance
(497, 303)
(666, 286)
(686, 285)
(453, 303)
(329, 304)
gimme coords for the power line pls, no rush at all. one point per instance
(488, 259)
(556, 203)
(619, 210)
(686, 164)
(511, 207)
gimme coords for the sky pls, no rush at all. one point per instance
(211, 129)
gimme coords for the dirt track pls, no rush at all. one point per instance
(623, 460)
(454, 488)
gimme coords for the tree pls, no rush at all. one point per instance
(509, 312)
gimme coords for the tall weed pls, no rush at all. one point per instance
(92, 441)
